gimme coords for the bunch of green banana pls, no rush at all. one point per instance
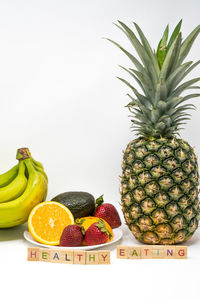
(21, 188)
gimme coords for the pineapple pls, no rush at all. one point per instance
(159, 182)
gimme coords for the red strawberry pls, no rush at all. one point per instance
(107, 212)
(71, 236)
(97, 233)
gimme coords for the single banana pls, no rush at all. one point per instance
(16, 212)
(16, 187)
(37, 163)
(39, 168)
(8, 176)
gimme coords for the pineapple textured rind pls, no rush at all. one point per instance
(159, 190)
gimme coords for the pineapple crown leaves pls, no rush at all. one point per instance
(158, 109)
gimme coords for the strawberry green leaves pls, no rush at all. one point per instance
(101, 226)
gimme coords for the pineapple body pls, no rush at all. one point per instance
(159, 190)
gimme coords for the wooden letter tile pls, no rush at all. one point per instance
(157, 252)
(122, 252)
(92, 257)
(44, 255)
(55, 256)
(169, 252)
(134, 252)
(67, 256)
(79, 257)
(181, 252)
(33, 254)
(146, 252)
(104, 257)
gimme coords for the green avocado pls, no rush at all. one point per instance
(81, 204)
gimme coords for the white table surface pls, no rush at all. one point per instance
(121, 279)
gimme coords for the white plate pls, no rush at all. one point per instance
(117, 236)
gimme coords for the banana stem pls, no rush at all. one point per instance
(23, 153)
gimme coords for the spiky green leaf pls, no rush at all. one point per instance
(174, 79)
(170, 58)
(162, 47)
(143, 54)
(143, 100)
(134, 60)
(148, 49)
(174, 34)
(187, 44)
(184, 86)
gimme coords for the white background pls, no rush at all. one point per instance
(60, 97)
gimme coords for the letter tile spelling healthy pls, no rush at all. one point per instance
(44, 255)
(92, 257)
(33, 254)
(80, 257)
(69, 256)
(104, 257)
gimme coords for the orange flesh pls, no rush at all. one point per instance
(47, 222)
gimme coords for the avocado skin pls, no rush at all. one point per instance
(81, 204)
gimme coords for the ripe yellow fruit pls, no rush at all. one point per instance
(47, 221)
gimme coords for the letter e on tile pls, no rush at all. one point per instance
(122, 252)
(44, 255)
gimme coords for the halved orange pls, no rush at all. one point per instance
(47, 221)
